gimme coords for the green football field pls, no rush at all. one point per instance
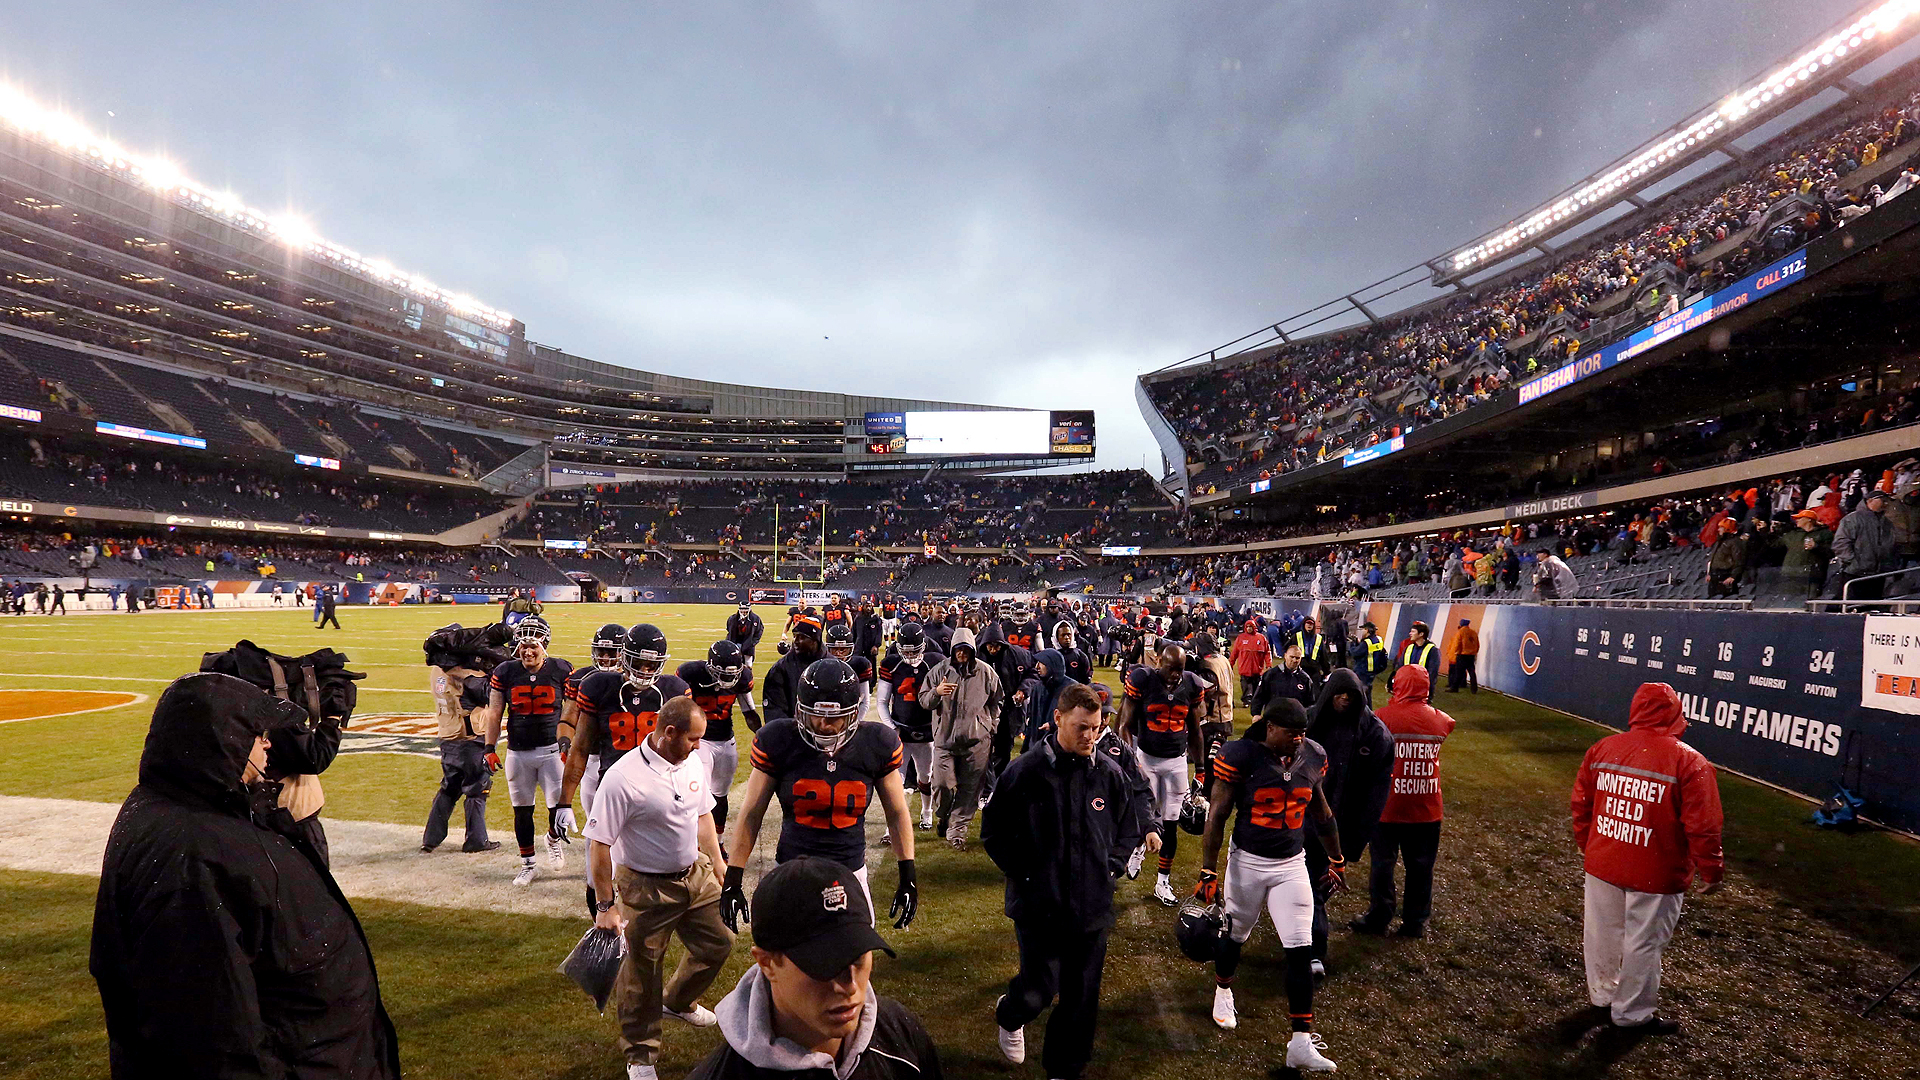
(1770, 976)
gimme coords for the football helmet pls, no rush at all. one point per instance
(606, 645)
(912, 642)
(1020, 612)
(727, 662)
(643, 655)
(828, 702)
(1199, 930)
(839, 641)
(532, 629)
(1193, 812)
(746, 606)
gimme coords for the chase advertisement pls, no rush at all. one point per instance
(1781, 698)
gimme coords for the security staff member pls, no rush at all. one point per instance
(653, 838)
(1370, 659)
(1313, 648)
(1060, 825)
(1418, 649)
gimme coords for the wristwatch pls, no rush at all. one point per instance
(603, 905)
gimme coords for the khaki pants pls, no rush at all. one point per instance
(956, 782)
(1626, 932)
(656, 907)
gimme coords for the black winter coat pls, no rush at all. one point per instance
(1359, 759)
(1061, 827)
(221, 946)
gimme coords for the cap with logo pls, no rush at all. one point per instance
(814, 911)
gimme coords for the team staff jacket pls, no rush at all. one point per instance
(1162, 709)
(1418, 730)
(825, 797)
(1061, 826)
(1359, 758)
(907, 684)
(1141, 787)
(533, 701)
(1270, 796)
(1646, 806)
(782, 684)
(715, 702)
(618, 714)
(1278, 682)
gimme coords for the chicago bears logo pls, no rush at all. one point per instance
(1099, 803)
(1529, 664)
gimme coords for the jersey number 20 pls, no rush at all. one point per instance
(820, 805)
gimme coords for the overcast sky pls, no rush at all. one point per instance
(1016, 203)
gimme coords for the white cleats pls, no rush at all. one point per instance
(1163, 891)
(1303, 1053)
(641, 1072)
(1135, 861)
(1013, 1044)
(527, 873)
(1223, 1013)
(698, 1016)
(1319, 970)
(556, 854)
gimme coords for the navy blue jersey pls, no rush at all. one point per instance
(1270, 796)
(911, 719)
(619, 715)
(825, 797)
(715, 702)
(533, 701)
(1024, 634)
(1161, 709)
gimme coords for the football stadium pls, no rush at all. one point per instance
(379, 685)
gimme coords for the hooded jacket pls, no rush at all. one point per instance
(1359, 759)
(1061, 827)
(1250, 654)
(199, 889)
(1014, 665)
(1646, 806)
(971, 715)
(1418, 729)
(889, 1044)
(1043, 691)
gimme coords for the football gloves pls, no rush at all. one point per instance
(1335, 879)
(1208, 890)
(733, 900)
(493, 759)
(563, 824)
(566, 745)
(906, 898)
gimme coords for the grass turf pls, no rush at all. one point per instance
(1769, 976)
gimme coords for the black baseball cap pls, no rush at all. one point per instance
(814, 911)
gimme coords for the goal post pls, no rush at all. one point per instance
(800, 545)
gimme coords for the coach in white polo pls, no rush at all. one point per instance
(654, 846)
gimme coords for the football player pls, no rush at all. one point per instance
(903, 678)
(1020, 626)
(840, 647)
(1153, 716)
(717, 683)
(612, 709)
(825, 766)
(1269, 780)
(529, 692)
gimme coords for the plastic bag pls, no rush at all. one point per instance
(594, 963)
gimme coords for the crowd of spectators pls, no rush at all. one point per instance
(1314, 400)
(32, 469)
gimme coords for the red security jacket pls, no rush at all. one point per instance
(1250, 653)
(1418, 730)
(1646, 806)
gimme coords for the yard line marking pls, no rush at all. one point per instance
(136, 678)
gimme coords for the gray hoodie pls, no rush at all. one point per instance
(889, 1044)
(969, 717)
